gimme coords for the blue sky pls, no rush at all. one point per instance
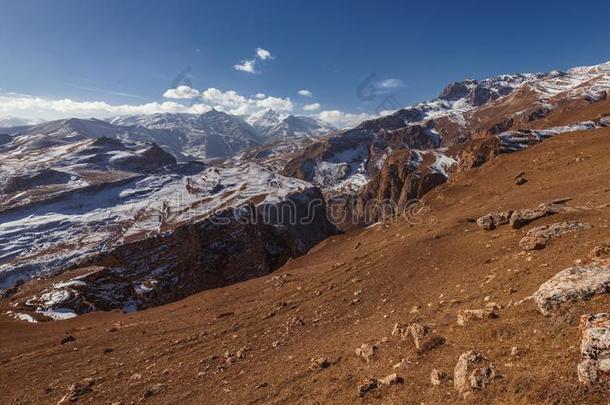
(129, 53)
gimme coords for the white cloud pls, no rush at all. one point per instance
(234, 103)
(391, 83)
(342, 119)
(383, 113)
(181, 92)
(305, 93)
(14, 104)
(312, 107)
(45, 108)
(229, 101)
(246, 66)
(263, 54)
(249, 65)
(276, 103)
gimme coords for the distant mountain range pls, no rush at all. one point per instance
(213, 134)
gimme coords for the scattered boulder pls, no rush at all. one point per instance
(437, 377)
(537, 238)
(594, 368)
(494, 219)
(520, 181)
(76, 391)
(467, 315)
(520, 218)
(472, 372)
(366, 351)
(572, 284)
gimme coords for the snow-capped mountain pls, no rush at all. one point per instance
(274, 126)
(213, 134)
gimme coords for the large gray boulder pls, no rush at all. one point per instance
(572, 284)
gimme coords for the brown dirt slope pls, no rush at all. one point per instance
(254, 342)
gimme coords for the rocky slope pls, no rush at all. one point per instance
(431, 308)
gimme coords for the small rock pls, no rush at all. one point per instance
(68, 339)
(366, 351)
(401, 364)
(320, 363)
(520, 181)
(77, 390)
(136, 377)
(414, 331)
(154, 390)
(493, 220)
(391, 379)
(430, 342)
(472, 372)
(370, 384)
(467, 315)
(437, 377)
(600, 251)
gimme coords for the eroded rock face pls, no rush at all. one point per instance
(594, 368)
(472, 372)
(494, 219)
(537, 238)
(572, 284)
(404, 177)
